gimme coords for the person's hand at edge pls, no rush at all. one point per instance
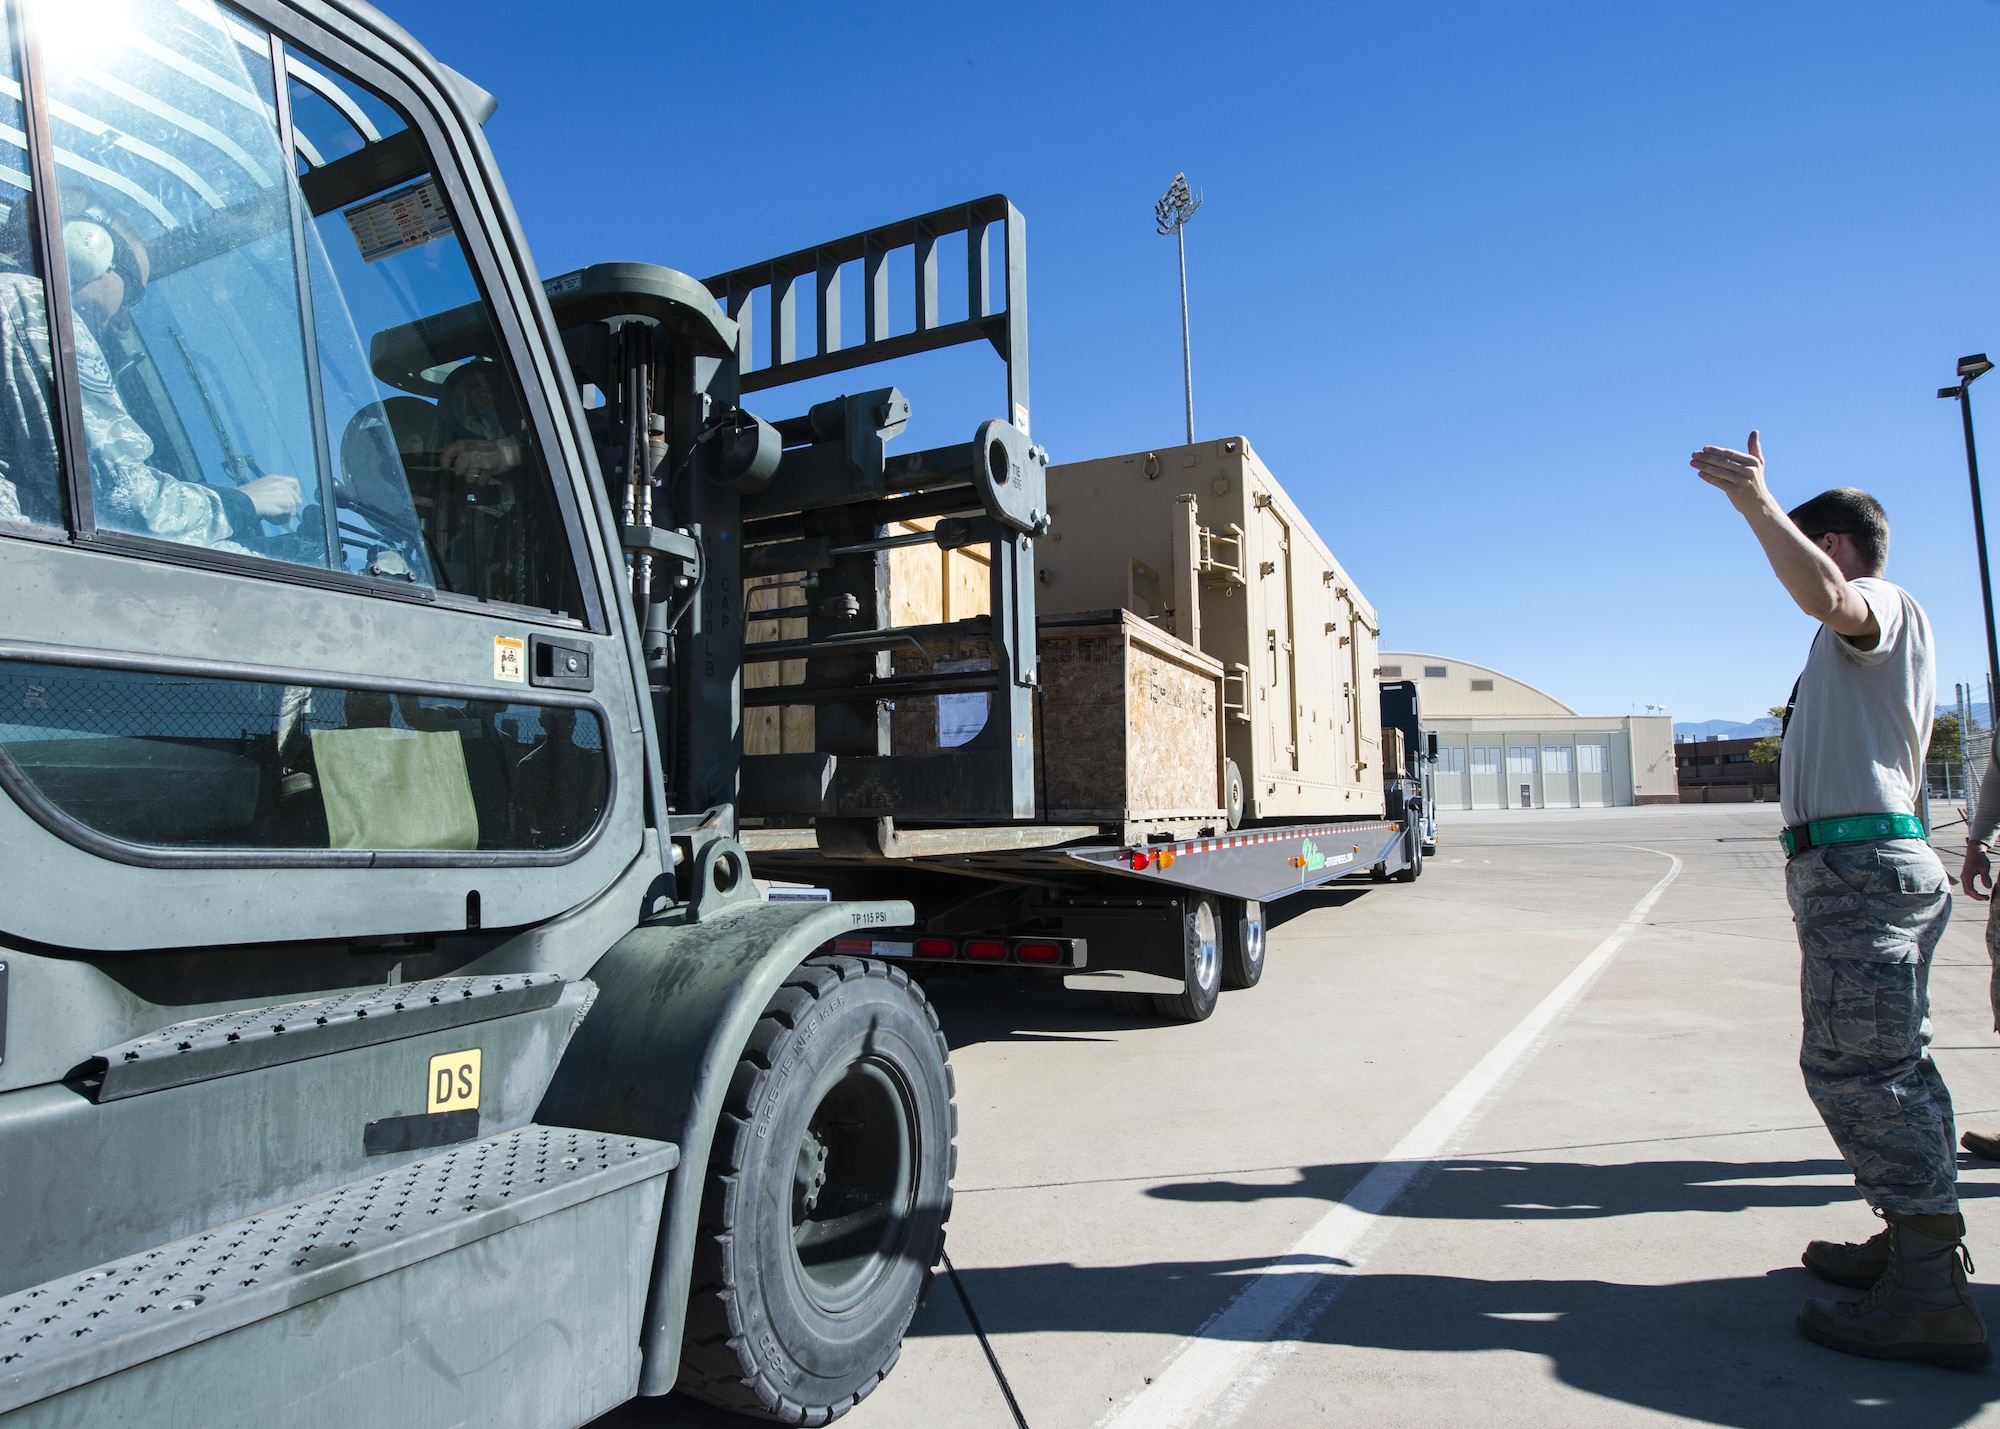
(1978, 869)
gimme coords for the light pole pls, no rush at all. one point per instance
(1172, 212)
(1970, 369)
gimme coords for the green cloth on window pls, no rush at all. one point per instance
(395, 789)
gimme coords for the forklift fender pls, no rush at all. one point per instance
(676, 1005)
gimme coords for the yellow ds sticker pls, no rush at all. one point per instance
(510, 660)
(454, 1082)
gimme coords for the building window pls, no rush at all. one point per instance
(1521, 759)
(1435, 672)
(1595, 759)
(1392, 672)
(1482, 685)
(1556, 759)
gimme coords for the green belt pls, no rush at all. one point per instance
(1858, 828)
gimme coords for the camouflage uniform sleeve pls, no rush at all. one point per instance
(132, 494)
(1986, 812)
(30, 479)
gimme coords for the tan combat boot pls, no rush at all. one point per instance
(1857, 1265)
(1920, 1308)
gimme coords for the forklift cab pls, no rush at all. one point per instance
(301, 558)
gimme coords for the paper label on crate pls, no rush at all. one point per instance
(510, 660)
(408, 218)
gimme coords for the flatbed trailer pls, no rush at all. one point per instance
(1167, 926)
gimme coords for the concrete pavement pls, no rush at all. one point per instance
(1612, 1238)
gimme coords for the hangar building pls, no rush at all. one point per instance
(1504, 744)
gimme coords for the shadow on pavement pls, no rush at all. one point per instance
(1567, 1190)
(1720, 1351)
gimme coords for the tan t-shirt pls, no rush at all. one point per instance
(1863, 720)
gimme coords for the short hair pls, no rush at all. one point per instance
(1847, 511)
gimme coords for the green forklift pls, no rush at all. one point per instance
(391, 1027)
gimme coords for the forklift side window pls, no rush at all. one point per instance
(172, 761)
(30, 450)
(432, 402)
(280, 346)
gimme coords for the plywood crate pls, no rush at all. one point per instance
(1129, 723)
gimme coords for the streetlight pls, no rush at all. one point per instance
(1970, 369)
(1172, 212)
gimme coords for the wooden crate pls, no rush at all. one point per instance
(1129, 723)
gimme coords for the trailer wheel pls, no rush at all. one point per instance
(1232, 793)
(1414, 869)
(1201, 965)
(828, 1187)
(1243, 944)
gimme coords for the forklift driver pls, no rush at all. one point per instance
(108, 267)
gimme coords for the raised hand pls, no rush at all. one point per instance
(1738, 474)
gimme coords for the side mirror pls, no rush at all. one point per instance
(1432, 746)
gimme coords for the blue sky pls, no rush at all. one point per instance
(1473, 278)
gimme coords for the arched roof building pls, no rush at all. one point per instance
(1502, 743)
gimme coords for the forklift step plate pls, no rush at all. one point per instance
(77, 1330)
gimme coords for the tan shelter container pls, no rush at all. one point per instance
(1201, 541)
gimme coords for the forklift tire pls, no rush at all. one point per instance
(828, 1188)
(1243, 944)
(1201, 964)
(1232, 793)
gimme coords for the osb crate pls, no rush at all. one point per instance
(1129, 730)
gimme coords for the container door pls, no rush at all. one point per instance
(1280, 640)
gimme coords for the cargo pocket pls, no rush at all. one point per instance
(1912, 864)
(1869, 1011)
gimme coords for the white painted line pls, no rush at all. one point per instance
(1339, 1245)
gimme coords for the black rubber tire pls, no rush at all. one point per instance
(1243, 934)
(857, 1036)
(1232, 793)
(1414, 869)
(1201, 964)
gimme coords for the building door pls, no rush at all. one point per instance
(1486, 791)
(1558, 776)
(1448, 778)
(1520, 791)
(1593, 774)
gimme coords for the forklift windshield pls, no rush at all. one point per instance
(239, 223)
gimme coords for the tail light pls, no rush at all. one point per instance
(1038, 952)
(986, 950)
(936, 948)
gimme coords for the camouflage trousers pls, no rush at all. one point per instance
(1869, 917)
